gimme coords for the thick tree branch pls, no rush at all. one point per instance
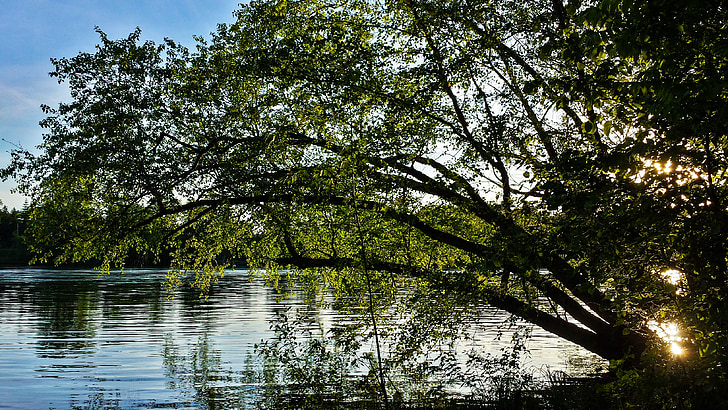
(591, 340)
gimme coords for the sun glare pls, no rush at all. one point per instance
(658, 166)
(672, 276)
(676, 349)
(683, 174)
(661, 168)
(670, 333)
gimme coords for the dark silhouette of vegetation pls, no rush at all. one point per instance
(12, 250)
(562, 161)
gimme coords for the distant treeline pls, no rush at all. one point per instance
(13, 251)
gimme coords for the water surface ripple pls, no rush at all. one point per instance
(74, 339)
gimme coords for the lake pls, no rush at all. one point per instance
(77, 340)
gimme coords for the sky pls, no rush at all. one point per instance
(34, 31)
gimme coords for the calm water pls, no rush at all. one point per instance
(72, 339)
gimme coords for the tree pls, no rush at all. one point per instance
(551, 159)
(12, 224)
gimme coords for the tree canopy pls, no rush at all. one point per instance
(553, 160)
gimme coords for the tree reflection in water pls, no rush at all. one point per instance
(202, 377)
(65, 325)
(288, 373)
(118, 342)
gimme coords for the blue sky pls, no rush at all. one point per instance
(34, 31)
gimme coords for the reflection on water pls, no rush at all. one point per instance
(72, 339)
(201, 376)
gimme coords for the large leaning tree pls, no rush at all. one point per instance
(553, 160)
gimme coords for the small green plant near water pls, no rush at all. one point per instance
(311, 368)
(307, 365)
(500, 378)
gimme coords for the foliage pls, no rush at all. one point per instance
(318, 368)
(551, 159)
(309, 364)
(12, 248)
